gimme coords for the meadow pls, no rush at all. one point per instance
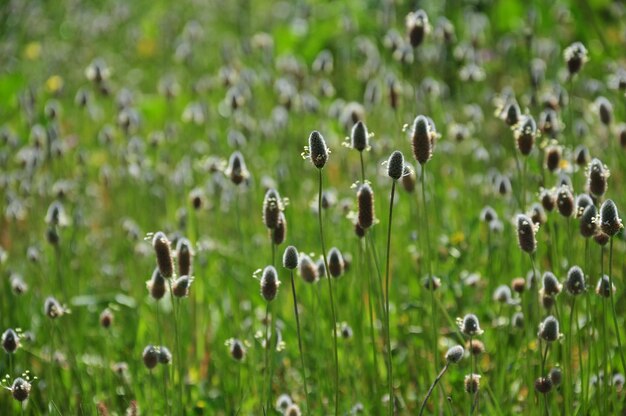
(312, 207)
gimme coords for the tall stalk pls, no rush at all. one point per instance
(389, 362)
(619, 340)
(295, 309)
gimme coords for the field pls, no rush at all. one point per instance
(311, 207)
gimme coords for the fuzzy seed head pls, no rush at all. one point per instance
(10, 341)
(279, 234)
(518, 284)
(106, 318)
(575, 56)
(52, 308)
(553, 157)
(597, 175)
(365, 197)
(526, 231)
(408, 179)
(575, 281)
(488, 214)
(470, 325)
(475, 347)
(551, 285)
(582, 155)
(184, 256)
(307, 269)
(237, 350)
(269, 283)
(525, 135)
(556, 376)
(272, 206)
(335, 262)
(472, 383)
(20, 389)
(548, 201)
(513, 115)
(417, 27)
(604, 288)
(165, 356)
(395, 165)
(293, 410)
(610, 222)
(588, 223)
(549, 329)
(236, 170)
(423, 136)
(582, 202)
(601, 238)
(543, 385)
(317, 149)
(156, 285)
(565, 201)
(605, 110)
(290, 258)
(163, 252)
(518, 320)
(455, 354)
(150, 357)
(537, 214)
(502, 294)
(180, 287)
(359, 137)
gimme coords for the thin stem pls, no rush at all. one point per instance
(295, 309)
(159, 329)
(330, 292)
(389, 362)
(432, 387)
(268, 381)
(619, 340)
(431, 283)
(177, 349)
(362, 168)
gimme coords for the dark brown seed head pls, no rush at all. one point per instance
(365, 197)
(604, 288)
(588, 223)
(549, 329)
(455, 354)
(408, 179)
(422, 139)
(601, 238)
(150, 357)
(502, 294)
(597, 175)
(335, 262)
(272, 206)
(556, 376)
(53, 308)
(610, 222)
(582, 202)
(184, 257)
(565, 201)
(551, 285)
(488, 214)
(180, 287)
(237, 350)
(513, 115)
(575, 281)
(582, 156)
(165, 356)
(317, 149)
(526, 234)
(10, 341)
(20, 389)
(472, 383)
(359, 231)
(575, 56)
(518, 320)
(307, 269)
(106, 318)
(475, 347)
(269, 283)
(548, 201)
(549, 122)
(156, 284)
(543, 385)
(525, 135)
(470, 325)
(547, 301)
(605, 110)
(290, 258)
(417, 27)
(518, 284)
(163, 254)
(395, 165)
(359, 137)
(236, 169)
(279, 233)
(553, 157)
(538, 214)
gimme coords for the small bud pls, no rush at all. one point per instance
(547, 199)
(518, 320)
(335, 262)
(518, 284)
(556, 376)
(525, 135)
(236, 169)
(588, 225)
(317, 149)
(290, 258)
(502, 294)
(20, 389)
(601, 238)
(475, 347)
(549, 329)
(575, 281)
(184, 257)
(581, 155)
(269, 283)
(272, 206)
(470, 325)
(279, 233)
(156, 284)
(472, 383)
(543, 385)
(417, 27)
(551, 285)
(488, 214)
(422, 139)
(553, 157)
(610, 222)
(365, 197)
(150, 357)
(597, 175)
(359, 137)
(454, 354)
(106, 318)
(53, 308)
(575, 56)
(180, 287)
(10, 341)
(605, 110)
(165, 356)
(537, 214)
(582, 202)
(293, 410)
(237, 350)
(395, 165)
(565, 201)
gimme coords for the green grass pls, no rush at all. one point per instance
(140, 180)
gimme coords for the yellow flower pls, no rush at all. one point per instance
(32, 51)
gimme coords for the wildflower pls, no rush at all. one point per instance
(575, 281)
(359, 137)
(610, 222)
(290, 258)
(236, 169)
(597, 175)
(472, 383)
(575, 56)
(454, 354)
(365, 197)
(395, 165)
(318, 151)
(549, 329)
(10, 341)
(163, 252)
(470, 326)
(269, 283)
(20, 389)
(417, 27)
(150, 357)
(526, 231)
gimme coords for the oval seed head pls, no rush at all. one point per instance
(53, 308)
(293, 410)
(475, 347)
(290, 258)
(582, 202)
(601, 238)
(610, 222)
(582, 155)
(548, 201)
(365, 197)
(282, 402)
(597, 175)
(321, 268)
(409, 179)
(575, 56)
(150, 357)
(422, 139)
(181, 286)
(518, 320)
(604, 288)
(10, 341)
(165, 356)
(526, 234)
(472, 383)
(335, 262)
(551, 285)
(184, 256)
(317, 149)
(454, 354)
(272, 206)
(525, 135)
(359, 137)
(488, 214)
(588, 223)
(236, 170)
(549, 329)
(543, 385)
(605, 110)
(502, 294)
(618, 382)
(279, 234)
(537, 214)
(417, 27)
(575, 281)
(553, 157)
(565, 201)
(395, 165)
(518, 284)
(556, 376)
(269, 283)
(513, 115)
(359, 231)
(163, 254)
(20, 389)
(547, 301)
(156, 285)
(470, 325)
(237, 350)
(307, 269)
(106, 318)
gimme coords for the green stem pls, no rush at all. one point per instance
(268, 381)
(619, 340)
(432, 387)
(389, 362)
(177, 350)
(295, 309)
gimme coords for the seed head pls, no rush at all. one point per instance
(556, 376)
(106, 318)
(513, 115)
(575, 281)
(547, 199)
(236, 169)
(543, 385)
(56, 216)
(549, 329)
(269, 283)
(525, 135)
(237, 349)
(575, 56)
(150, 357)
(417, 27)
(20, 389)
(280, 232)
(163, 254)
(272, 206)
(184, 256)
(408, 179)
(553, 157)
(488, 214)
(290, 258)
(52, 308)
(526, 231)
(518, 284)
(165, 356)
(581, 155)
(565, 201)
(604, 109)
(395, 165)
(537, 214)
(582, 202)
(156, 285)
(293, 410)
(502, 294)
(307, 269)
(610, 222)
(317, 149)
(365, 197)
(180, 287)
(547, 301)
(518, 320)
(588, 223)
(335, 262)
(10, 341)
(282, 402)
(359, 231)
(551, 285)
(604, 288)
(454, 354)
(472, 383)
(359, 137)
(475, 347)
(423, 136)
(597, 175)
(601, 238)
(470, 325)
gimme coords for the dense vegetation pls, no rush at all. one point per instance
(459, 248)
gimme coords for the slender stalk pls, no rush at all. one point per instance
(159, 329)
(268, 381)
(619, 340)
(177, 349)
(295, 309)
(389, 362)
(330, 292)
(431, 283)
(432, 387)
